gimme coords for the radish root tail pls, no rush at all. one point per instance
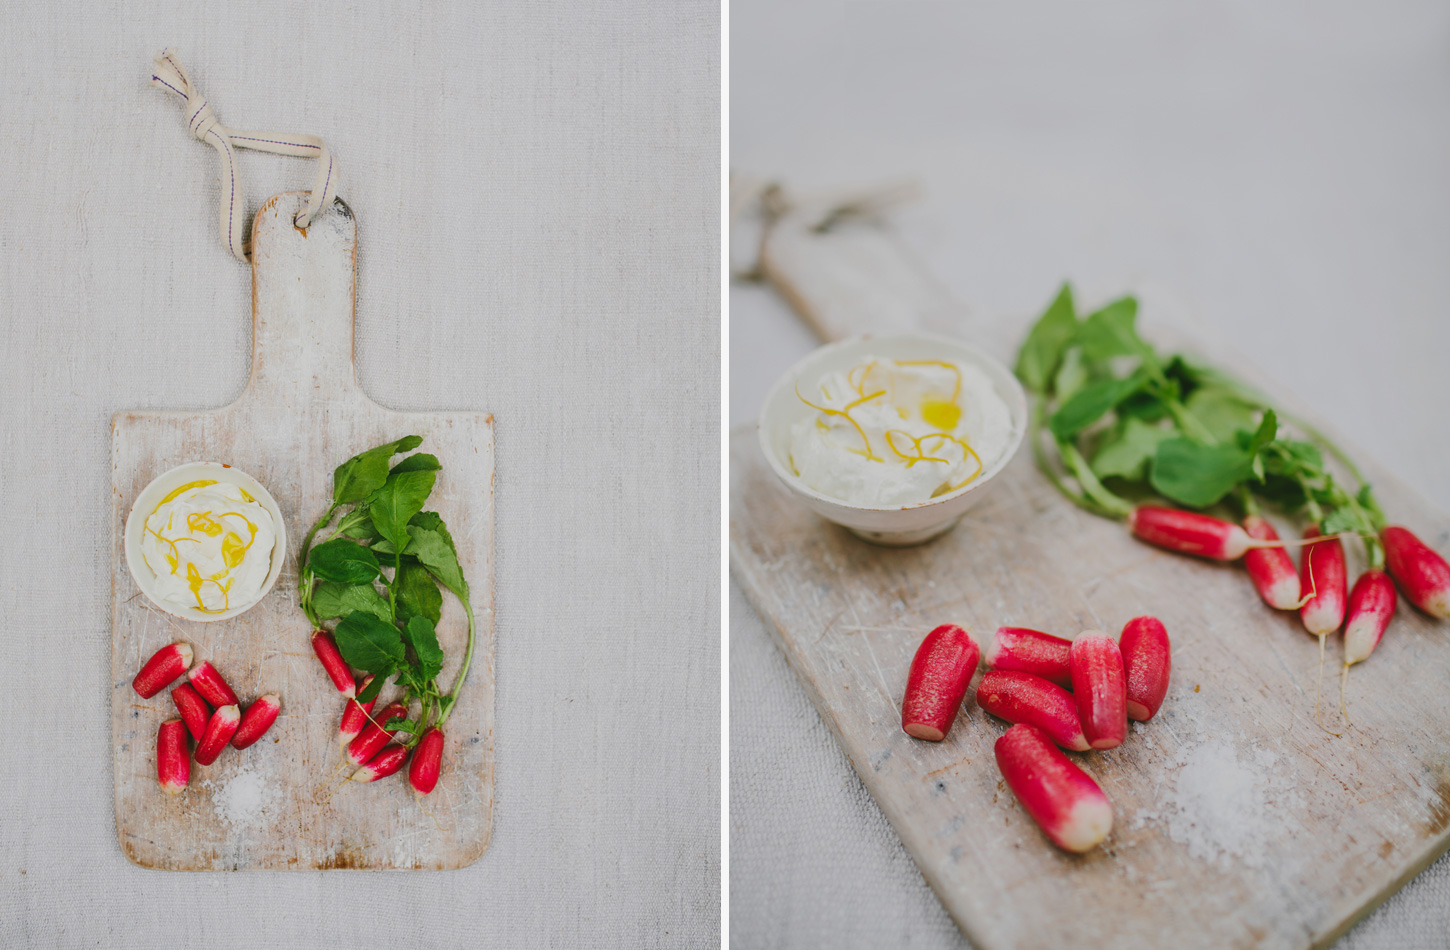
(1319, 682)
(1303, 542)
(419, 799)
(1317, 687)
(328, 799)
(1343, 703)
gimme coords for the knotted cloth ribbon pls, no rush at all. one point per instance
(204, 124)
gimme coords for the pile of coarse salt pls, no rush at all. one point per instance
(242, 801)
(1224, 807)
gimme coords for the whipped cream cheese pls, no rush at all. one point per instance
(895, 432)
(209, 543)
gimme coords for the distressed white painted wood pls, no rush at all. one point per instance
(1338, 824)
(302, 413)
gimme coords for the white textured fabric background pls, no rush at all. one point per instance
(536, 186)
(1283, 170)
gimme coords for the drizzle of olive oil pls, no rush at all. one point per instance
(187, 487)
(233, 550)
(940, 414)
(203, 521)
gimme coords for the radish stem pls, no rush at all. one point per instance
(304, 573)
(445, 706)
(1189, 423)
(1117, 507)
(1339, 454)
(393, 583)
(1046, 467)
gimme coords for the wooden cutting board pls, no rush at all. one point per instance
(301, 415)
(1239, 822)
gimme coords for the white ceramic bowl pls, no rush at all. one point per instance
(896, 525)
(162, 486)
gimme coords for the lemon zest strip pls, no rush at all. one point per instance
(846, 414)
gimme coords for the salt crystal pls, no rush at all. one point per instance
(244, 799)
(1224, 807)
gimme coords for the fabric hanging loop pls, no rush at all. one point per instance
(204, 125)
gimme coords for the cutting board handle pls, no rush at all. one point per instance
(858, 276)
(303, 301)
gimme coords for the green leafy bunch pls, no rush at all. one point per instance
(1125, 423)
(379, 574)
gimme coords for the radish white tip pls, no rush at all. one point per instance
(1089, 823)
(1284, 595)
(1358, 641)
(1236, 543)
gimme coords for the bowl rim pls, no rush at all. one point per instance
(795, 482)
(140, 571)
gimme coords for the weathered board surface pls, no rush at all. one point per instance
(302, 413)
(1239, 821)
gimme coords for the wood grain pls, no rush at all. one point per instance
(1325, 828)
(301, 414)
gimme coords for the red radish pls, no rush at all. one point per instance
(1030, 651)
(1147, 662)
(427, 761)
(1063, 799)
(165, 665)
(1323, 583)
(1190, 533)
(194, 710)
(940, 673)
(1422, 575)
(257, 720)
(373, 736)
(385, 763)
(1022, 697)
(219, 732)
(1371, 606)
(1271, 569)
(337, 669)
(1100, 686)
(355, 716)
(212, 687)
(173, 761)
